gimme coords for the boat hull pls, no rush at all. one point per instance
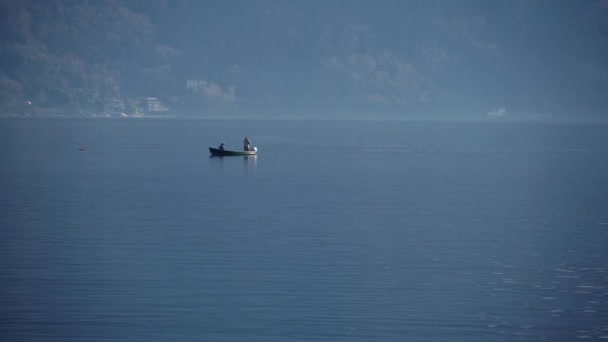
(218, 152)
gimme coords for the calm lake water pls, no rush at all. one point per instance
(336, 231)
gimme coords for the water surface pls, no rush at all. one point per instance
(336, 231)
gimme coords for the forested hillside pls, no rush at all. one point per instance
(449, 58)
(77, 55)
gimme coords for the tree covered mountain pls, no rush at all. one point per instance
(292, 57)
(78, 54)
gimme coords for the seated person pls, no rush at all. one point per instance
(222, 146)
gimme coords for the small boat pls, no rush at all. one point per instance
(218, 152)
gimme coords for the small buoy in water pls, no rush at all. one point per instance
(81, 149)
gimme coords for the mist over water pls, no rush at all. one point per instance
(358, 231)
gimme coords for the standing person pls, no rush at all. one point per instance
(246, 144)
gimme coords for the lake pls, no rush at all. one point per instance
(336, 231)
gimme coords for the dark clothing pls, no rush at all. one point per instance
(246, 144)
(222, 146)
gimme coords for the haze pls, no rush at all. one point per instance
(494, 60)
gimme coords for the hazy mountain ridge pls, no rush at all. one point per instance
(339, 57)
(75, 54)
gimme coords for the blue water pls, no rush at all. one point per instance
(336, 231)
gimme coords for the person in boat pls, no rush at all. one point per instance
(222, 146)
(246, 144)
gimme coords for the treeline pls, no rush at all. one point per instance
(77, 55)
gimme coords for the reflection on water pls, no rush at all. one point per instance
(249, 162)
(423, 237)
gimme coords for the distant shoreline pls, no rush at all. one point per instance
(358, 118)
